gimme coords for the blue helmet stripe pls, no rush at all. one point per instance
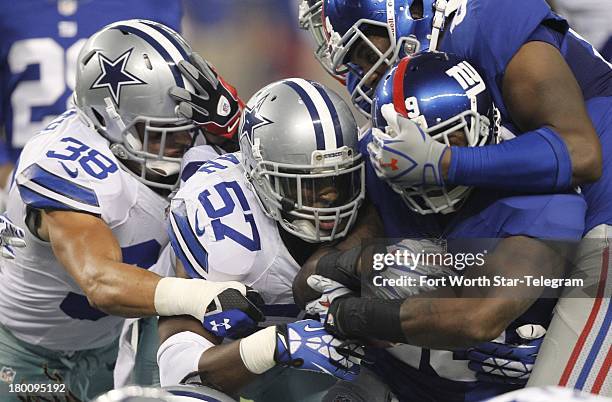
(332, 112)
(178, 78)
(314, 114)
(170, 38)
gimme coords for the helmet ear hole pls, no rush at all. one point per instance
(416, 9)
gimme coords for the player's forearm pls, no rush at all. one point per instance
(449, 323)
(222, 367)
(437, 323)
(121, 289)
(368, 226)
(186, 347)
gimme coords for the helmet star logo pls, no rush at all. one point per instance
(253, 120)
(114, 75)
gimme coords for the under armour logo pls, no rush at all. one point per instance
(392, 164)
(225, 325)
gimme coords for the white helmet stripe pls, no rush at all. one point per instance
(327, 123)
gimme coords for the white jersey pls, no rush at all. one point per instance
(68, 166)
(220, 233)
(549, 394)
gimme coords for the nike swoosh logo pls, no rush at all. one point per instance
(72, 173)
(198, 231)
(308, 328)
(231, 128)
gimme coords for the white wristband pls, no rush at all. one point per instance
(178, 296)
(257, 350)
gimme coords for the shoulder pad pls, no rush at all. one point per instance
(74, 172)
(212, 227)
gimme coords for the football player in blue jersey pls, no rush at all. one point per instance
(91, 192)
(40, 43)
(554, 94)
(253, 217)
(440, 334)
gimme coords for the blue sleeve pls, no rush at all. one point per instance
(536, 161)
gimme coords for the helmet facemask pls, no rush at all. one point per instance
(341, 48)
(310, 20)
(149, 148)
(316, 202)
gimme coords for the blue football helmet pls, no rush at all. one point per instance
(406, 23)
(448, 98)
(309, 17)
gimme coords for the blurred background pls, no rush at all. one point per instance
(254, 42)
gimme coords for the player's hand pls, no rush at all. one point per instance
(233, 315)
(10, 236)
(404, 155)
(215, 106)
(306, 345)
(329, 289)
(502, 363)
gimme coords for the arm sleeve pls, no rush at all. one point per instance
(536, 161)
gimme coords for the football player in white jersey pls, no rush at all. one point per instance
(90, 190)
(254, 217)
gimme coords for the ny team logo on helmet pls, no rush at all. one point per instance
(124, 73)
(347, 23)
(299, 145)
(446, 97)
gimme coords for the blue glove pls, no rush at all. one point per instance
(502, 363)
(233, 315)
(306, 345)
(10, 236)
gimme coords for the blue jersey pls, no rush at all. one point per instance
(443, 375)
(39, 45)
(489, 33)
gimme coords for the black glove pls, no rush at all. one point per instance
(233, 315)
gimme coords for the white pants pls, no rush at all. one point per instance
(577, 349)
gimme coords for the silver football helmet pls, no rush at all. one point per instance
(124, 73)
(299, 149)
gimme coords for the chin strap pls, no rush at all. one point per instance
(443, 8)
(114, 116)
